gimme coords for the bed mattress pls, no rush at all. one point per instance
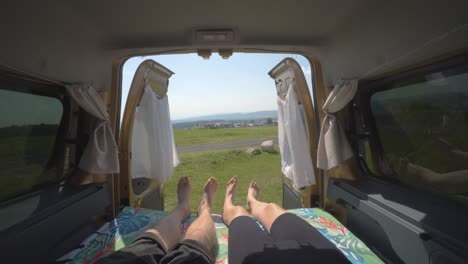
(132, 222)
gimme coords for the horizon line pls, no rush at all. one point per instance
(225, 113)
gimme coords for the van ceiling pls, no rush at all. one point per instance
(76, 41)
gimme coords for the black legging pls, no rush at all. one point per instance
(291, 240)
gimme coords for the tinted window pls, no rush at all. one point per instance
(29, 125)
(423, 131)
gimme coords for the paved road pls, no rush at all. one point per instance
(227, 145)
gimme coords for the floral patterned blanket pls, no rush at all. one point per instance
(132, 222)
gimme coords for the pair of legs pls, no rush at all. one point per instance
(161, 243)
(287, 238)
(266, 213)
(168, 229)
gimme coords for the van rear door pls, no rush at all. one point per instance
(285, 73)
(143, 192)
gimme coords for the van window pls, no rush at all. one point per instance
(423, 131)
(29, 124)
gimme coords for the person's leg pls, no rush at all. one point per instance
(200, 238)
(168, 229)
(246, 238)
(266, 213)
(152, 246)
(231, 211)
(298, 240)
(280, 224)
(202, 229)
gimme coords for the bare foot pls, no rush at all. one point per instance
(183, 195)
(230, 211)
(208, 195)
(252, 193)
(231, 187)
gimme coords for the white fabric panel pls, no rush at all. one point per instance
(154, 154)
(101, 152)
(333, 146)
(296, 163)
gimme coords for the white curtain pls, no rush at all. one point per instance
(101, 152)
(154, 154)
(333, 146)
(296, 163)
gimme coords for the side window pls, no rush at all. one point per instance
(422, 127)
(29, 126)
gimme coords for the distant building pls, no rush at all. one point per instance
(236, 124)
(219, 125)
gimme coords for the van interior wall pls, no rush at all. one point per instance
(50, 39)
(78, 42)
(385, 30)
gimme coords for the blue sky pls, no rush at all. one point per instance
(203, 87)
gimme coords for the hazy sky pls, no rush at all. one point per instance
(21, 109)
(203, 87)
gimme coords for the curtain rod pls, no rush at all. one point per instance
(28, 76)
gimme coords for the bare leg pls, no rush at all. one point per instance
(266, 213)
(202, 229)
(231, 211)
(168, 229)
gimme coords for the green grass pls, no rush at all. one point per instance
(264, 168)
(23, 161)
(197, 136)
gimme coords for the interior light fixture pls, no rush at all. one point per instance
(225, 53)
(204, 53)
(214, 35)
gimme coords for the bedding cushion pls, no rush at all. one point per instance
(132, 222)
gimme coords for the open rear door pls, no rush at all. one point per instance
(287, 72)
(142, 191)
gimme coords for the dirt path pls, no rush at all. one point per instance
(227, 145)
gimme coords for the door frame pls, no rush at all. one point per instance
(319, 94)
(310, 194)
(135, 94)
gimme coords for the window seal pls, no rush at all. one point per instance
(28, 86)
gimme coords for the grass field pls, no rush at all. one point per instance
(197, 136)
(199, 166)
(23, 163)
